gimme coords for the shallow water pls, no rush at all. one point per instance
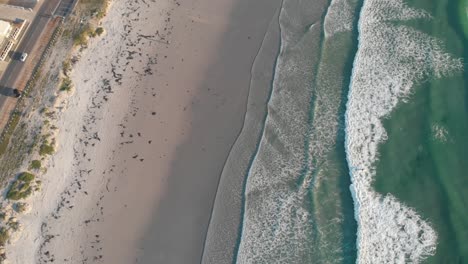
(360, 158)
(422, 163)
(396, 54)
(298, 208)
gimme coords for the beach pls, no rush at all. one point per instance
(145, 135)
(220, 132)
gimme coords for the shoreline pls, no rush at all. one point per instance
(227, 213)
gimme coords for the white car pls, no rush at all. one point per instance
(23, 56)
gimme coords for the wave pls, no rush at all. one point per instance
(282, 220)
(222, 237)
(390, 61)
(339, 17)
(276, 221)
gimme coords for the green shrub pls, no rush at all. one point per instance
(99, 31)
(13, 224)
(66, 66)
(79, 40)
(35, 165)
(13, 192)
(26, 176)
(91, 33)
(16, 195)
(20, 207)
(66, 33)
(21, 187)
(81, 37)
(46, 149)
(66, 84)
(4, 236)
(13, 195)
(101, 7)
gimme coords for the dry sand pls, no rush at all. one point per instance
(159, 101)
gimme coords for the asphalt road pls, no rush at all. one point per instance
(32, 36)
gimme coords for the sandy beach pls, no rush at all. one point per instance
(159, 101)
(237, 131)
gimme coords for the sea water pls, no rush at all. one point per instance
(361, 155)
(392, 59)
(423, 161)
(298, 207)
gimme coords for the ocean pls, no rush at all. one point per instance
(298, 207)
(422, 162)
(361, 153)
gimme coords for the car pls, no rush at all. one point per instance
(17, 93)
(23, 57)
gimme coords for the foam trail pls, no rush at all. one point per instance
(281, 223)
(276, 222)
(339, 17)
(390, 61)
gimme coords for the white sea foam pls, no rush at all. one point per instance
(439, 132)
(339, 17)
(279, 219)
(276, 222)
(390, 61)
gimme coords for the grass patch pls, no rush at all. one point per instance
(4, 236)
(99, 31)
(66, 84)
(38, 185)
(46, 149)
(66, 67)
(80, 40)
(95, 8)
(66, 33)
(81, 36)
(102, 12)
(15, 118)
(34, 141)
(26, 177)
(14, 225)
(21, 187)
(20, 207)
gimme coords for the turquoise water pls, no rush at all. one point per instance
(361, 154)
(422, 169)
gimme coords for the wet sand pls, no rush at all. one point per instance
(226, 219)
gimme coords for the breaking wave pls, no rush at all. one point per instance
(390, 61)
(339, 17)
(293, 212)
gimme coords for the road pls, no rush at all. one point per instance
(31, 37)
